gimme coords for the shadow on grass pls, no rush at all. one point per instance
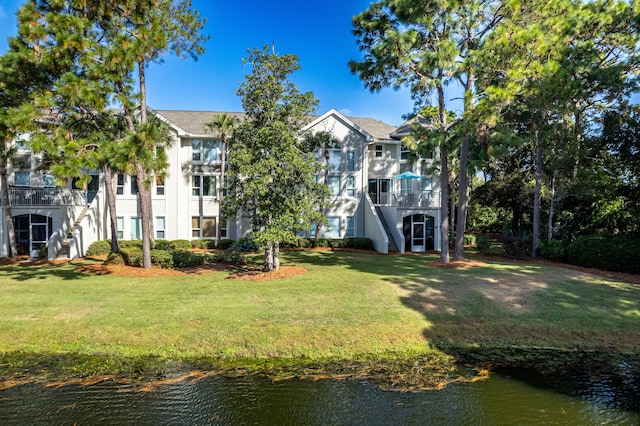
(503, 305)
(38, 271)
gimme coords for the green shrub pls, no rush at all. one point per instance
(115, 259)
(132, 255)
(130, 243)
(162, 258)
(322, 242)
(298, 242)
(483, 244)
(224, 244)
(181, 245)
(233, 257)
(513, 246)
(607, 252)
(43, 253)
(245, 245)
(337, 243)
(553, 249)
(187, 259)
(163, 245)
(99, 247)
(360, 243)
(469, 239)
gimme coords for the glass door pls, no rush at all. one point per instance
(417, 234)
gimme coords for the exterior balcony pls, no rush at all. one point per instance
(423, 199)
(46, 197)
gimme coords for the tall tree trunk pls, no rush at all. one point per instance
(143, 92)
(144, 194)
(452, 210)
(444, 207)
(444, 179)
(276, 255)
(551, 208)
(144, 197)
(536, 193)
(268, 257)
(11, 233)
(111, 202)
(463, 200)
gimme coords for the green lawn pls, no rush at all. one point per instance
(348, 306)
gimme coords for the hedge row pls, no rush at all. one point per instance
(104, 246)
(175, 259)
(242, 245)
(619, 253)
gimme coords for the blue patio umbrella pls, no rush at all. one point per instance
(407, 175)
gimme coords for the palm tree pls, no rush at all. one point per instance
(224, 124)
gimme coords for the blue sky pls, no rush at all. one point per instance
(319, 33)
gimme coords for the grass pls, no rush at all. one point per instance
(350, 307)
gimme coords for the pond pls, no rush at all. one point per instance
(521, 397)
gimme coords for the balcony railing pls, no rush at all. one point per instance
(423, 199)
(46, 197)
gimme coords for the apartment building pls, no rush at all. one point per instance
(378, 191)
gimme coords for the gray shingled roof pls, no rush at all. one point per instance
(193, 122)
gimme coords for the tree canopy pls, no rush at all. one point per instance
(272, 176)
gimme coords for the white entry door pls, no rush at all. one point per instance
(417, 234)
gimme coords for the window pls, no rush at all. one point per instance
(196, 150)
(22, 141)
(48, 181)
(404, 153)
(351, 161)
(120, 225)
(351, 186)
(205, 150)
(22, 178)
(136, 228)
(203, 185)
(333, 182)
(223, 228)
(210, 150)
(406, 186)
(351, 227)
(195, 226)
(120, 184)
(208, 227)
(209, 187)
(159, 185)
(427, 184)
(333, 230)
(134, 185)
(160, 227)
(335, 158)
(195, 186)
(204, 227)
(378, 151)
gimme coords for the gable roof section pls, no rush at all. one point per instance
(192, 123)
(405, 128)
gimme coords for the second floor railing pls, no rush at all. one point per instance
(31, 196)
(424, 199)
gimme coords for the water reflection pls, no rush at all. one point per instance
(512, 398)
